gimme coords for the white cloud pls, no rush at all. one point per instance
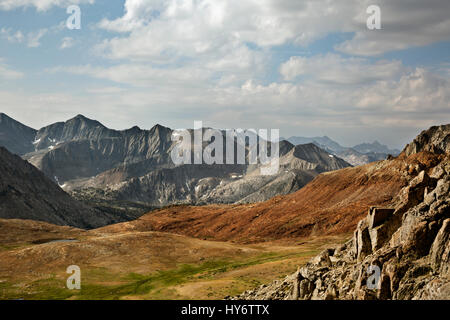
(167, 29)
(40, 5)
(419, 91)
(161, 30)
(335, 69)
(12, 36)
(352, 88)
(137, 13)
(32, 39)
(67, 42)
(395, 108)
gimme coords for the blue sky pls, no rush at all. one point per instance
(306, 67)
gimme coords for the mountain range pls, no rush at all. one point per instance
(102, 166)
(357, 155)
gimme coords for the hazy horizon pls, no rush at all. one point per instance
(282, 137)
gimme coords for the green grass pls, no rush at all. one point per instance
(7, 247)
(158, 285)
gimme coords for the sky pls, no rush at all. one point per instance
(308, 68)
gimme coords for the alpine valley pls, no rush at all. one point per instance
(139, 227)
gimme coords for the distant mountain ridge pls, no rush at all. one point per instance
(375, 147)
(322, 142)
(360, 154)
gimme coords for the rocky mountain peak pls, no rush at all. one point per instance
(134, 129)
(85, 121)
(160, 129)
(74, 129)
(436, 140)
(323, 160)
(285, 146)
(80, 116)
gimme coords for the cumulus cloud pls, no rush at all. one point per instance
(158, 29)
(419, 91)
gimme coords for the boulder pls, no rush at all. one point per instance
(362, 242)
(440, 250)
(378, 216)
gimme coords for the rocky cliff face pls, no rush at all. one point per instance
(82, 148)
(298, 166)
(26, 193)
(77, 128)
(436, 140)
(397, 252)
(205, 184)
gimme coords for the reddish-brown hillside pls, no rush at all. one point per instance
(332, 203)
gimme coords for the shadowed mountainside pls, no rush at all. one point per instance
(15, 136)
(26, 193)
